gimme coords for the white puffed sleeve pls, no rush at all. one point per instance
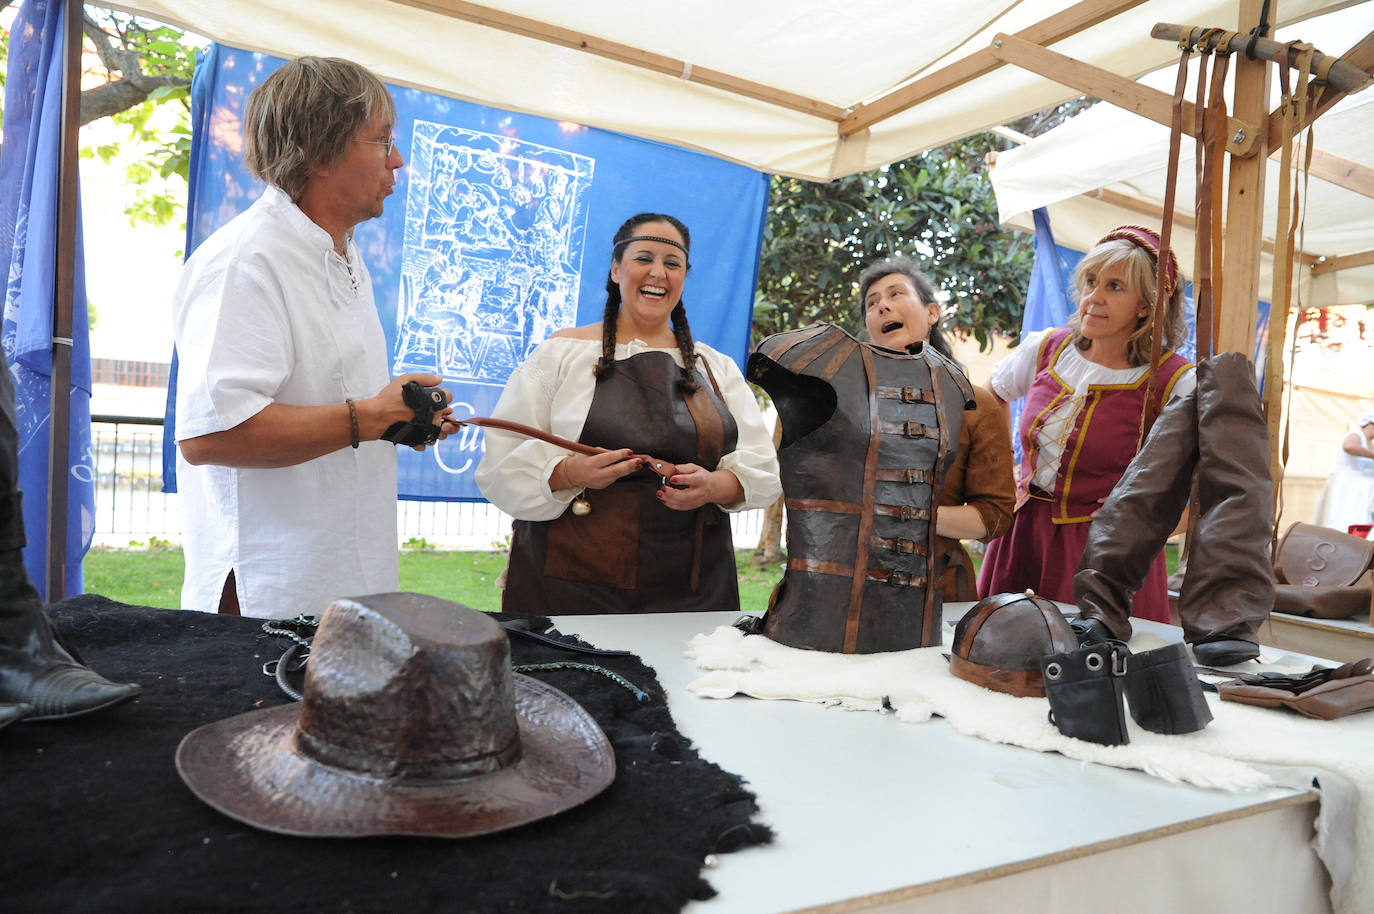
(551, 391)
(1011, 378)
(754, 461)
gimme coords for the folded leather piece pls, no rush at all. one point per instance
(1085, 689)
(1164, 693)
(1323, 693)
(1322, 602)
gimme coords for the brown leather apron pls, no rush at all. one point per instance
(630, 553)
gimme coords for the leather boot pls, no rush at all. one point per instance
(1130, 528)
(34, 668)
(1229, 589)
(11, 713)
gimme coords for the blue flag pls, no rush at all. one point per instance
(499, 233)
(1047, 298)
(29, 162)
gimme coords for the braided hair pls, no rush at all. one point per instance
(682, 331)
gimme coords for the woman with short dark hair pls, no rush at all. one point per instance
(978, 492)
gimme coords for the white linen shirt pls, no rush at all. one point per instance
(267, 311)
(1012, 378)
(553, 391)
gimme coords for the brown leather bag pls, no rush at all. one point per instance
(1322, 573)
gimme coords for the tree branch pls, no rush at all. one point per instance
(118, 94)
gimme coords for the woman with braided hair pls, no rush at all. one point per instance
(602, 533)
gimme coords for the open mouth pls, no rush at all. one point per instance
(890, 326)
(654, 293)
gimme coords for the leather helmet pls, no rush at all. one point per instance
(999, 642)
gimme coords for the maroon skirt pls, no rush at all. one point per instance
(1039, 554)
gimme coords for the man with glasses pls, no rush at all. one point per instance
(283, 392)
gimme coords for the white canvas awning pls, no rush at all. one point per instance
(1107, 166)
(785, 86)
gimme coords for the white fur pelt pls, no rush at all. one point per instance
(916, 684)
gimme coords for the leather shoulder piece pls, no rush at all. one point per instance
(775, 346)
(957, 373)
(804, 403)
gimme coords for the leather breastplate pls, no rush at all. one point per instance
(868, 434)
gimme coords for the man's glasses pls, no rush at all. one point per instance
(390, 144)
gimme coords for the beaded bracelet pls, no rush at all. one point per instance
(353, 418)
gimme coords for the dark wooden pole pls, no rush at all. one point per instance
(64, 288)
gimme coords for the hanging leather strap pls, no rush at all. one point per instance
(1294, 108)
(1202, 211)
(1147, 412)
(1210, 112)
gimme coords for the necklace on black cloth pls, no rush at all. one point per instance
(301, 632)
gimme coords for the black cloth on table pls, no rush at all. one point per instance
(96, 819)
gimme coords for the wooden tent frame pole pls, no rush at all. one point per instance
(64, 292)
(1245, 201)
(626, 54)
(1343, 75)
(1064, 24)
(1241, 132)
(1361, 56)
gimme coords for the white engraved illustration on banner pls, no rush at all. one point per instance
(494, 234)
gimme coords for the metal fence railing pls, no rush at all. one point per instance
(130, 506)
(129, 503)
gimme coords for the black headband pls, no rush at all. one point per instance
(659, 239)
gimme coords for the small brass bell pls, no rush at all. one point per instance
(581, 507)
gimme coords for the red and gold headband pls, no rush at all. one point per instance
(1148, 240)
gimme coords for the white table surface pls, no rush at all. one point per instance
(871, 813)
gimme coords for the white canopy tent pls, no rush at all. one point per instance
(812, 88)
(1107, 166)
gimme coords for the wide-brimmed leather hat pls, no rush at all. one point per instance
(412, 723)
(999, 642)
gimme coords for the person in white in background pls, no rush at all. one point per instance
(283, 363)
(1348, 496)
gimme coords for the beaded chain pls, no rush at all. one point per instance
(640, 695)
(294, 629)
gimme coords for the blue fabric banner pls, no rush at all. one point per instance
(499, 233)
(29, 162)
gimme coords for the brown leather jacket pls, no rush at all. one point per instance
(981, 477)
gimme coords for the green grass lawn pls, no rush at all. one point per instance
(152, 576)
